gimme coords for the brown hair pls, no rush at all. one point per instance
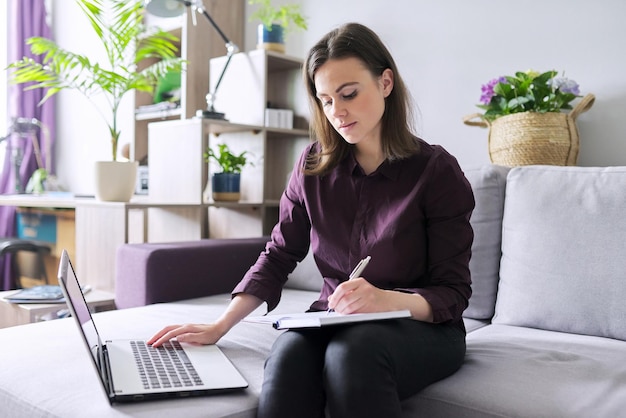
(354, 40)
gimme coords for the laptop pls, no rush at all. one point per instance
(129, 369)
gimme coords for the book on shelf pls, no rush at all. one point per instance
(323, 318)
(279, 118)
(157, 107)
(40, 294)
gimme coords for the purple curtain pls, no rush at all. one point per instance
(27, 18)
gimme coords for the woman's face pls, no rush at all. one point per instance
(352, 99)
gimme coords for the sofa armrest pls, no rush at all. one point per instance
(165, 272)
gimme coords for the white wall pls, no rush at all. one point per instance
(82, 133)
(445, 51)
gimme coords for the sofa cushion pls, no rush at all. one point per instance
(488, 183)
(563, 259)
(522, 372)
(306, 275)
(164, 272)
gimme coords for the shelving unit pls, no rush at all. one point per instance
(179, 174)
(198, 44)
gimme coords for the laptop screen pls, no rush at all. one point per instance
(78, 306)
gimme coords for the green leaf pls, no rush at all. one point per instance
(118, 24)
(283, 15)
(517, 103)
(526, 92)
(228, 162)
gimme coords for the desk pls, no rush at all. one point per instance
(12, 314)
(101, 227)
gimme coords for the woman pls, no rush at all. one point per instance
(368, 186)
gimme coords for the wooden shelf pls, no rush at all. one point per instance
(252, 80)
(198, 44)
(287, 132)
(218, 127)
(235, 205)
(282, 62)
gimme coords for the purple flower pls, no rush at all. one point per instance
(527, 92)
(564, 85)
(487, 90)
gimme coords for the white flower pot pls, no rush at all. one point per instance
(115, 180)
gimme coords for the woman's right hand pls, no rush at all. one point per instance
(188, 333)
(240, 306)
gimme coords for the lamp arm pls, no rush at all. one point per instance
(210, 98)
(202, 10)
(231, 48)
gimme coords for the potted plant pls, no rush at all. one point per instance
(126, 41)
(531, 119)
(226, 185)
(276, 22)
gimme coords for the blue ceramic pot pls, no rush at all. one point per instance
(272, 40)
(226, 186)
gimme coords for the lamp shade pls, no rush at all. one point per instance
(165, 8)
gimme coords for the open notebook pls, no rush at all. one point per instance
(130, 370)
(323, 318)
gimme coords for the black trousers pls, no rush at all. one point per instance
(359, 370)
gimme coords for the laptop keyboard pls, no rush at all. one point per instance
(164, 367)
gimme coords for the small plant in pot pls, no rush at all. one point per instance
(226, 185)
(276, 22)
(119, 27)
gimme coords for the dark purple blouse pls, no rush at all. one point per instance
(411, 216)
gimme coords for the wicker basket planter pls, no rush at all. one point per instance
(530, 138)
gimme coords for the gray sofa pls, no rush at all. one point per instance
(546, 322)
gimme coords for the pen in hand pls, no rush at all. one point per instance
(356, 272)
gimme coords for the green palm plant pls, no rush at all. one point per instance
(119, 26)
